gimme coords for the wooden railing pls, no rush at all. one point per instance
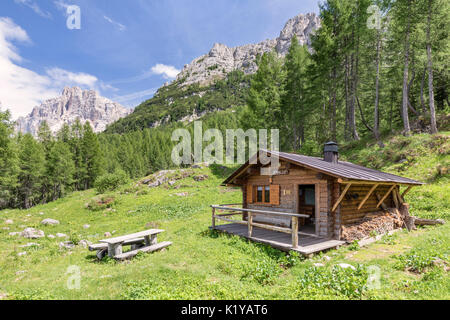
(232, 211)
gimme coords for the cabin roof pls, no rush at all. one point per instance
(342, 169)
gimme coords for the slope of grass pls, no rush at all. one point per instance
(206, 265)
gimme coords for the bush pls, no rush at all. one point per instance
(101, 203)
(111, 181)
(418, 259)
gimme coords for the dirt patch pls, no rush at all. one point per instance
(379, 223)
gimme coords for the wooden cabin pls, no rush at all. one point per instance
(308, 196)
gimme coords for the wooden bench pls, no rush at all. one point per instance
(144, 241)
(152, 248)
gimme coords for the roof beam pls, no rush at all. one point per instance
(341, 197)
(386, 195)
(367, 196)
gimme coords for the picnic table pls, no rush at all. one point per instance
(144, 241)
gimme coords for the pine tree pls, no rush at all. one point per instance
(31, 171)
(91, 156)
(8, 160)
(60, 170)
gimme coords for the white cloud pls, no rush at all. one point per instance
(33, 6)
(168, 72)
(22, 89)
(61, 5)
(118, 25)
(61, 77)
(131, 98)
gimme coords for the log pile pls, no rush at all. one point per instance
(383, 222)
(379, 222)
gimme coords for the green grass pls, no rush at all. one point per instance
(207, 265)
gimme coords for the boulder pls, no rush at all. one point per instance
(49, 222)
(84, 243)
(61, 235)
(346, 266)
(67, 245)
(31, 233)
(201, 177)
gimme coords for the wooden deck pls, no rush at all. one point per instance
(307, 245)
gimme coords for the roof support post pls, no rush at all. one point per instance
(406, 191)
(386, 195)
(341, 197)
(367, 196)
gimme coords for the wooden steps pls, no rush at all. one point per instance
(152, 248)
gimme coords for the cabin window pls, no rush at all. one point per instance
(259, 194)
(263, 194)
(267, 194)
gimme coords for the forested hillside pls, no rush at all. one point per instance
(372, 73)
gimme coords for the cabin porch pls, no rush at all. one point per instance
(304, 241)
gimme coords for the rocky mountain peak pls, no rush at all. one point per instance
(87, 105)
(222, 59)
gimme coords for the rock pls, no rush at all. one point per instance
(346, 265)
(50, 236)
(196, 166)
(201, 177)
(319, 265)
(9, 221)
(182, 194)
(403, 161)
(61, 235)
(327, 258)
(84, 243)
(49, 222)
(5, 228)
(87, 105)
(171, 183)
(32, 233)
(18, 273)
(86, 226)
(20, 254)
(31, 244)
(107, 234)
(41, 213)
(67, 245)
(14, 233)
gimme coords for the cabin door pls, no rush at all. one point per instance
(307, 204)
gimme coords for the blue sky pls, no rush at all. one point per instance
(124, 49)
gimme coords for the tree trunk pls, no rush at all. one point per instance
(430, 71)
(422, 85)
(406, 126)
(376, 121)
(355, 69)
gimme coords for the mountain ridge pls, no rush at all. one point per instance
(86, 105)
(221, 59)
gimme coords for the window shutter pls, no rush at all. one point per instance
(249, 193)
(275, 194)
